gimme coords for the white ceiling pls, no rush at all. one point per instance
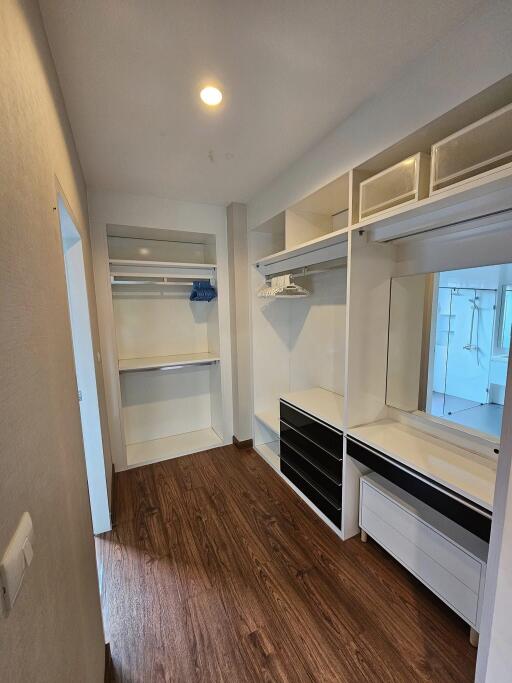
(291, 70)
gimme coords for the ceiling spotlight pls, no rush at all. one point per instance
(211, 96)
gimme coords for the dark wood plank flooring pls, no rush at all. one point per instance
(217, 571)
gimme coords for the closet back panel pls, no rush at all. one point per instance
(270, 326)
(271, 349)
(158, 404)
(317, 334)
(160, 322)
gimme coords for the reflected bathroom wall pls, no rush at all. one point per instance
(448, 348)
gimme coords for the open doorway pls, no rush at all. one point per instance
(87, 393)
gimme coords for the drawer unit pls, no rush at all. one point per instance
(302, 465)
(465, 513)
(445, 557)
(404, 182)
(311, 459)
(321, 458)
(328, 438)
(328, 507)
(481, 148)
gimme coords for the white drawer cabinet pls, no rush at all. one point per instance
(445, 557)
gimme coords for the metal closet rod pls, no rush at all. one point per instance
(305, 271)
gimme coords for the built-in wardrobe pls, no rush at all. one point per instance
(349, 329)
(299, 297)
(167, 381)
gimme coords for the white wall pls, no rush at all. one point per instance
(465, 62)
(54, 632)
(109, 208)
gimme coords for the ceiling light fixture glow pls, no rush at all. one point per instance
(211, 96)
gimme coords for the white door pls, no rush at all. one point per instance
(87, 394)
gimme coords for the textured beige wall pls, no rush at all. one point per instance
(54, 633)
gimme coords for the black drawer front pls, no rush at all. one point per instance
(309, 450)
(324, 483)
(331, 511)
(324, 436)
(457, 511)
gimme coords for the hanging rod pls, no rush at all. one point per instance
(303, 272)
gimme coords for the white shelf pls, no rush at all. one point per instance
(460, 470)
(329, 247)
(160, 264)
(270, 419)
(161, 269)
(461, 206)
(270, 453)
(320, 403)
(169, 447)
(159, 362)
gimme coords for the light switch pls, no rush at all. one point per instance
(16, 559)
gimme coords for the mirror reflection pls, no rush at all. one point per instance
(449, 339)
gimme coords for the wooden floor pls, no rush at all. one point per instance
(217, 571)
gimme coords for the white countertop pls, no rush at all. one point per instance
(320, 403)
(457, 469)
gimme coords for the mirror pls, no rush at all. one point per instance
(449, 339)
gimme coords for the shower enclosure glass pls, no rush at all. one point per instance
(462, 358)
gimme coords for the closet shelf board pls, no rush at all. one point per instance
(270, 453)
(160, 264)
(462, 471)
(159, 269)
(270, 418)
(329, 247)
(320, 403)
(465, 206)
(169, 447)
(156, 362)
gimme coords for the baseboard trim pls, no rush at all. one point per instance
(242, 444)
(109, 667)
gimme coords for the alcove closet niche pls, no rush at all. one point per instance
(298, 343)
(168, 346)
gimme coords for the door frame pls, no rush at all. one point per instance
(95, 460)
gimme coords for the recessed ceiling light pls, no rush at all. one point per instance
(211, 96)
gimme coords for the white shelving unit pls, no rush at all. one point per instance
(169, 370)
(298, 345)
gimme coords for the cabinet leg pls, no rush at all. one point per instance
(364, 536)
(473, 637)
